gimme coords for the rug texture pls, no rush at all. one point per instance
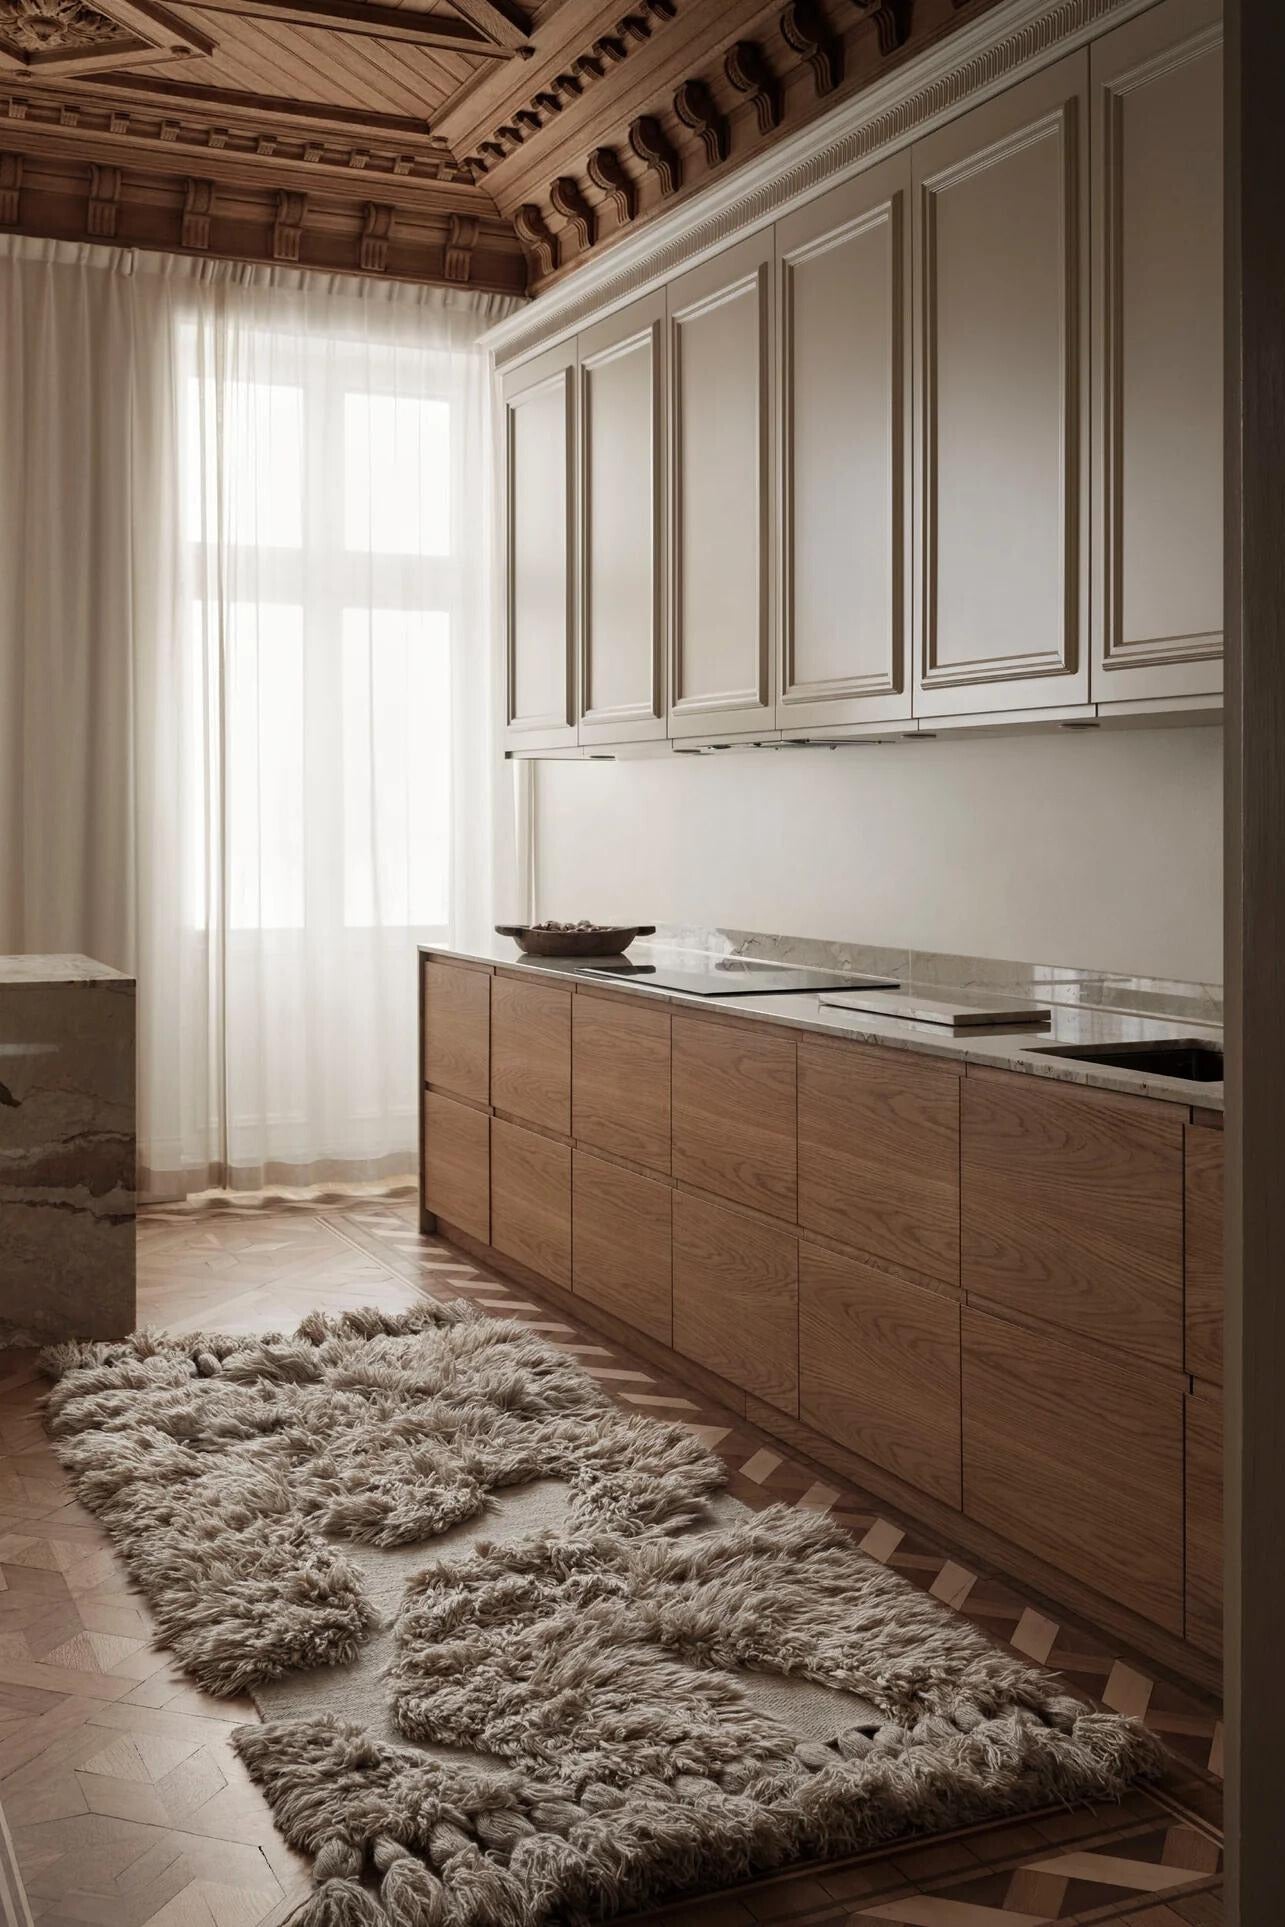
(574, 1726)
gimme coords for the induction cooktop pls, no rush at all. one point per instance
(737, 977)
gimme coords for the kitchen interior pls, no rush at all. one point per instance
(855, 488)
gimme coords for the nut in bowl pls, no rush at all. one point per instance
(581, 939)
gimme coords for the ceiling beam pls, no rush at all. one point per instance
(430, 30)
(212, 101)
(504, 25)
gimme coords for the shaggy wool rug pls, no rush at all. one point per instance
(573, 1716)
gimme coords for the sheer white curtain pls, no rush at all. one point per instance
(244, 682)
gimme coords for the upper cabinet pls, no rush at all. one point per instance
(539, 502)
(721, 388)
(1158, 354)
(844, 304)
(943, 444)
(622, 475)
(1001, 405)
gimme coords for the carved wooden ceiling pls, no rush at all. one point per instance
(481, 142)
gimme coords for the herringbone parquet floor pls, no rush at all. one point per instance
(122, 1805)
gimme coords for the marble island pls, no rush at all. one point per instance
(67, 1149)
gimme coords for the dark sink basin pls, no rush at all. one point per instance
(1184, 1057)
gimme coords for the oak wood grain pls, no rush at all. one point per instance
(879, 1369)
(620, 1074)
(622, 1244)
(1203, 1252)
(1072, 1210)
(457, 1163)
(879, 1154)
(531, 1052)
(1204, 1624)
(736, 1298)
(531, 1200)
(1080, 1461)
(734, 1113)
(457, 1030)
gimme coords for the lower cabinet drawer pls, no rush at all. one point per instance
(457, 1165)
(531, 1200)
(622, 1244)
(879, 1369)
(1077, 1457)
(736, 1299)
(1205, 1521)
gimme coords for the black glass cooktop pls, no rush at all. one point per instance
(738, 977)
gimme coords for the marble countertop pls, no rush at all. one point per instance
(31, 969)
(1012, 1050)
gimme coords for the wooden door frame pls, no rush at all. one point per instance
(1255, 939)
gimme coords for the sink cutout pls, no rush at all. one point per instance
(1185, 1057)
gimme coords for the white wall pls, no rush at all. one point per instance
(1091, 848)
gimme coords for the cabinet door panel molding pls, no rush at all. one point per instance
(621, 494)
(720, 379)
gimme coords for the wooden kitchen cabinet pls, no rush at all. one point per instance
(531, 1200)
(621, 366)
(845, 503)
(1078, 1457)
(620, 1078)
(1158, 354)
(531, 1052)
(1002, 401)
(721, 398)
(878, 1147)
(1203, 1250)
(622, 1244)
(539, 410)
(736, 1298)
(879, 1369)
(1204, 1413)
(457, 1165)
(1073, 1209)
(734, 1113)
(457, 1029)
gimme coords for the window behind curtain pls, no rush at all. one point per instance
(321, 538)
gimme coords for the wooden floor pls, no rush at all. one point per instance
(121, 1802)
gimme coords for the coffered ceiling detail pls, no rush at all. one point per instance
(485, 143)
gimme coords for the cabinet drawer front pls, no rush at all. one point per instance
(1073, 1210)
(1205, 1523)
(531, 1052)
(1078, 1458)
(531, 1200)
(1203, 1185)
(735, 1114)
(457, 1165)
(622, 1257)
(879, 1369)
(620, 1079)
(736, 1299)
(457, 1030)
(879, 1154)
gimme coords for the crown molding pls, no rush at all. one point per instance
(979, 60)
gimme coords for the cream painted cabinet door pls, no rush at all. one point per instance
(622, 392)
(540, 547)
(1158, 354)
(844, 572)
(1001, 405)
(721, 627)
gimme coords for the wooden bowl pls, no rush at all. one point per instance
(597, 940)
